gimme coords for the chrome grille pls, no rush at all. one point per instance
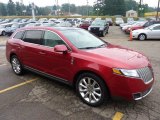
(145, 74)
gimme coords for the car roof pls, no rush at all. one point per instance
(50, 28)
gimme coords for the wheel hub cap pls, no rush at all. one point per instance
(90, 90)
(16, 65)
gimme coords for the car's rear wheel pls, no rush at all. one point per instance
(142, 37)
(103, 33)
(91, 89)
(3, 33)
(16, 65)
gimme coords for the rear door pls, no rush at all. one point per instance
(31, 49)
(156, 32)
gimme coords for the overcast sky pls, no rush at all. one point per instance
(152, 3)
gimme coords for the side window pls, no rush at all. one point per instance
(33, 36)
(156, 28)
(51, 39)
(19, 35)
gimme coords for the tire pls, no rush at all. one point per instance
(91, 89)
(16, 65)
(103, 34)
(142, 37)
(3, 33)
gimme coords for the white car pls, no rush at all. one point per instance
(126, 24)
(151, 32)
(119, 21)
(3, 28)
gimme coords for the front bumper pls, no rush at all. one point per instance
(129, 88)
(134, 35)
(9, 32)
(140, 95)
(97, 32)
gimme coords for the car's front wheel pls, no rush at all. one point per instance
(142, 37)
(103, 33)
(16, 65)
(91, 89)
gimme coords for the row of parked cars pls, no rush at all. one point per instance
(142, 29)
(98, 26)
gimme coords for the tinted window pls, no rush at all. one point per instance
(51, 39)
(156, 28)
(19, 35)
(34, 36)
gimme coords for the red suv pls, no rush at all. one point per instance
(96, 69)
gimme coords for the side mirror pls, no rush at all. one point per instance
(60, 48)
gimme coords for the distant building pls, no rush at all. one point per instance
(76, 15)
(131, 13)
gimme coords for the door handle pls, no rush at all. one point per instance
(42, 53)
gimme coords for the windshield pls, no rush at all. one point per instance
(15, 25)
(1, 26)
(98, 23)
(82, 39)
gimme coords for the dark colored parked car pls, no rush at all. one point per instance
(99, 27)
(96, 69)
(85, 25)
(109, 21)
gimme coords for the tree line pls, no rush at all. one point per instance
(101, 7)
(119, 7)
(20, 9)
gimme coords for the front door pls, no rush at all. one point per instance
(56, 64)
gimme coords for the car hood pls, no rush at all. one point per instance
(141, 30)
(11, 29)
(119, 57)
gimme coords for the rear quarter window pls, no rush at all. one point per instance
(33, 36)
(19, 35)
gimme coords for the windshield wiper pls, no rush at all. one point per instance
(100, 46)
(88, 48)
(103, 45)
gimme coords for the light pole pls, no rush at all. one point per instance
(33, 13)
(87, 9)
(157, 10)
(97, 9)
(57, 9)
(69, 9)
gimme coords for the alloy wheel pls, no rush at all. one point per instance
(142, 37)
(90, 90)
(16, 65)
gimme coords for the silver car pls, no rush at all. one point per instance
(151, 32)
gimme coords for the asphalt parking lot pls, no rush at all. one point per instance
(33, 97)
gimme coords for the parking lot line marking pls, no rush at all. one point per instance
(18, 85)
(118, 116)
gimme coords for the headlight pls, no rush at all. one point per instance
(101, 28)
(89, 28)
(129, 73)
